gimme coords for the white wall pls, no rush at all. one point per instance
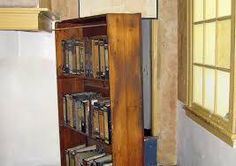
(29, 133)
(148, 8)
(198, 147)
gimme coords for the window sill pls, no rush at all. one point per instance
(217, 130)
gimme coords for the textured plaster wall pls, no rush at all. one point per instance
(66, 9)
(168, 52)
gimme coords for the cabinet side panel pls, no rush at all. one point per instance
(134, 89)
(124, 35)
(116, 36)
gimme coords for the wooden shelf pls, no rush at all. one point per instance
(90, 140)
(123, 87)
(26, 19)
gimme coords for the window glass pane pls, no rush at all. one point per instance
(223, 43)
(197, 85)
(224, 8)
(210, 9)
(209, 89)
(222, 99)
(198, 10)
(210, 40)
(198, 43)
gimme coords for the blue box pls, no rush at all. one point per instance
(150, 151)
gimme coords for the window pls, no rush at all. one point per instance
(211, 66)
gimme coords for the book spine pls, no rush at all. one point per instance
(95, 59)
(67, 158)
(77, 55)
(76, 116)
(88, 59)
(86, 113)
(106, 60)
(109, 123)
(73, 113)
(101, 124)
(106, 129)
(102, 59)
(64, 109)
(82, 57)
(95, 123)
(69, 110)
(80, 112)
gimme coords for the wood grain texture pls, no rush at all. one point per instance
(155, 78)
(124, 86)
(182, 51)
(124, 35)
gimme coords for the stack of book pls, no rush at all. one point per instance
(87, 156)
(87, 112)
(88, 57)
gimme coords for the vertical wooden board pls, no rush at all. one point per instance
(124, 35)
(133, 94)
(156, 60)
(182, 51)
(117, 89)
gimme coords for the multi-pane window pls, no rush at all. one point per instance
(211, 54)
(212, 66)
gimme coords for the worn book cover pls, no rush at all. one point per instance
(86, 105)
(95, 133)
(103, 160)
(64, 110)
(101, 58)
(107, 123)
(106, 60)
(95, 57)
(89, 161)
(70, 151)
(101, 123)
(88, 58)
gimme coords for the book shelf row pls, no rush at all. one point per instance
(88, 113)
(98, 57)
(83, 155)
(87, 57)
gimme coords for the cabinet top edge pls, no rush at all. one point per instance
(95, 19)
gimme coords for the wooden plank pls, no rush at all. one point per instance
(155, 79)
(182, 52)
(133, 94)
(117, 89)
(124, 33)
